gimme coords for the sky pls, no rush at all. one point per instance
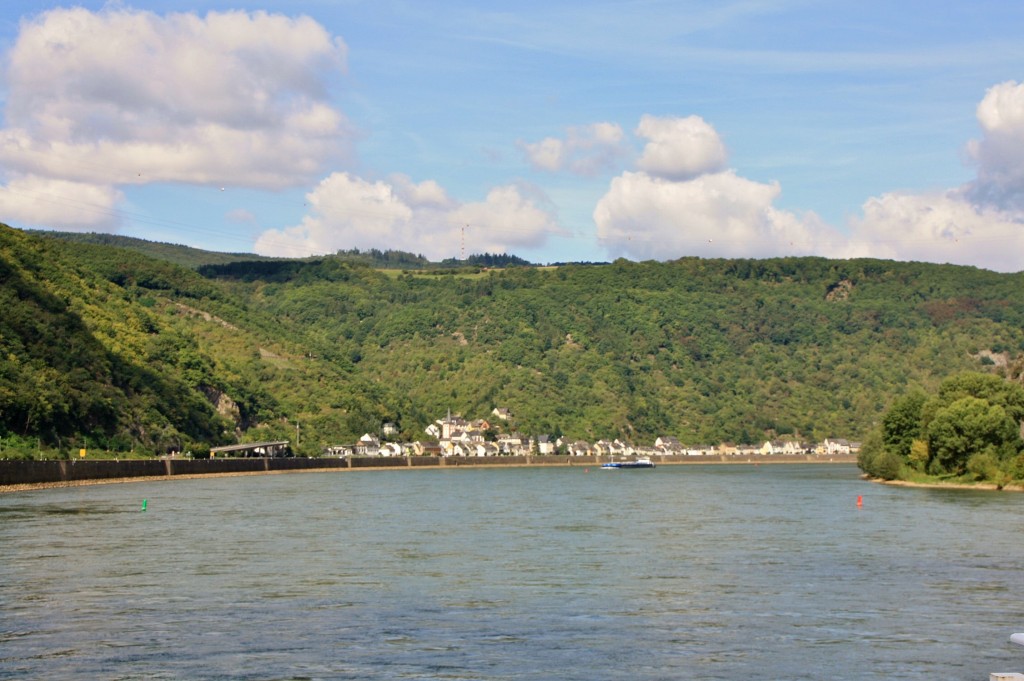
(556, 130)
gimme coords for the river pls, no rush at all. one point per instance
(682, 572)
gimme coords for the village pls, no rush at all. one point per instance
(454, 436)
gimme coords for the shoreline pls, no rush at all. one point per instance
(718, 461)
(974, 486)
(60, 484)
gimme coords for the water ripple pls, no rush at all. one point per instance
(688, 572)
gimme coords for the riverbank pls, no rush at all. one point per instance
(27, 487)
(976, 486)
(18, 476)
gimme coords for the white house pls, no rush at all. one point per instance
(668, 444)
(391, 449)
(545, 445)
(368, 445)
(578, 448)
(792, 447)
(836, 446)
(511, 443)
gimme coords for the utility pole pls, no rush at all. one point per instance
(464, 242)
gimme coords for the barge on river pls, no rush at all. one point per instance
(639, 463)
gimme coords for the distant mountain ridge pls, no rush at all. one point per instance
(132, 348)
(196, 258)
(186, 256)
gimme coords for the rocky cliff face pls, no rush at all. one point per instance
(839, 291)
(224, 405)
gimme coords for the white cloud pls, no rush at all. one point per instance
(980, 223)
(548, 154)
(505, 220)
(680, 148)
(59, 204)
(682, 202)
(716, 214)
(122, 96)
(425, 195)
(585, 150)
(943, 228)
(999, 155)
(350, 212)
(347, 212)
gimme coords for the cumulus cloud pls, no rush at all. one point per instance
(351, 212)
(585, 150)
(506, 219)
(682, 201)
(122, 96)
(680, 148)
(945, 227)
(59, 204)
(424, 195)
(649, 217)
(980, 223)
(999, 154)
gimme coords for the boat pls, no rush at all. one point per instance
(639, 463)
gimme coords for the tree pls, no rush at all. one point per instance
(901, 425)
(968, 426)
(878, 461)
(989, 387)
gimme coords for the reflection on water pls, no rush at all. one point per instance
(17, 512)
(704, 572)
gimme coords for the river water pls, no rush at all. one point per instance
(683, 572)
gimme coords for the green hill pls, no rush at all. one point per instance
(129, 350)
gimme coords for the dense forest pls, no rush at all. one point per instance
(131, 349)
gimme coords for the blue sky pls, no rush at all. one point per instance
(558, 131)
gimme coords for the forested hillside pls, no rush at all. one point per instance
(133, 351)
(179, 255)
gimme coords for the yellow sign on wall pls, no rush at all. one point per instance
(81, 453)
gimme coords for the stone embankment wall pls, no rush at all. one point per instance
(46, 472)
(42, 472)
